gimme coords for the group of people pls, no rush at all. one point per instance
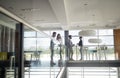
(70, 47)
(58, 42)
(56, 39)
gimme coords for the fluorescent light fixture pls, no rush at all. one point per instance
(94, 40)
(87, 33)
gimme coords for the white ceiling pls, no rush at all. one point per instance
(67, 14)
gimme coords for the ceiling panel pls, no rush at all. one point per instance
(69, 14)
(33, 11)
(96, 12)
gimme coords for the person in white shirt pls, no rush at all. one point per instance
(59, 42)
(52, 45)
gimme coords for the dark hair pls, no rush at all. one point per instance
(58, 36)
(70, 36)
(80, 37)
(54, 33)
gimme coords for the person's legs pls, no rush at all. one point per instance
(52, 53)
(60, 52)
(81, 53)
(71, 54)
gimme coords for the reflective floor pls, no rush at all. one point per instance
(41, 68)
(72, 72)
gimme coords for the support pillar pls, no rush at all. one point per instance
(66, 33)
(19, 53)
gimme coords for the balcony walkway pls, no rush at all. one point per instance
(94, 63)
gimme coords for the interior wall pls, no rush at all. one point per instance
(117, 43)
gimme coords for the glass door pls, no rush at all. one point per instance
(7, 46)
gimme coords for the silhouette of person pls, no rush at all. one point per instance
(81, 47)
(70, 47)
(52, 45)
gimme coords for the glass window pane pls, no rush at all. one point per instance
(41, 35)
(92, 72)
(86, 42)
(7, 22)
(106, 32)
(29, 34)
(74, 32)
(47, 32)
(7, 46)
(75, 40)
(43, 43)
(30, 44)
(107, 40)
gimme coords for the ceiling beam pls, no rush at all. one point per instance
(60, 10)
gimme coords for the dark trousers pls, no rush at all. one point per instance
(52, 54)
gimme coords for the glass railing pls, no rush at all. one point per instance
(37, 63)
(38, 59)
(44, 72)
(94, 53)
(93, 72)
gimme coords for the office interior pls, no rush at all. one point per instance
(26, 27)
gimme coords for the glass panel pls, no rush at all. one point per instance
(107, 40)
(41, 35)
(30, 34)
(106, 32)
(7, 22)
(86, 41)
(30, 44)
(92, 72)
(38, 55)
(93, 51)
(7, 46)
(74, 32)
(107, 53)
